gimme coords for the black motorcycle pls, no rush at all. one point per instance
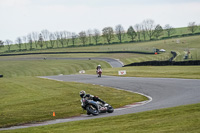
(95, 107)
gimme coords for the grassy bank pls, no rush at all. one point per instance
(182, 119)
(57, 45)
(30, 99)
(188, 72)
(25, 98)
(46, 67)
(126, 58)
(185, 44)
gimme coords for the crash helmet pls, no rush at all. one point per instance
(82, 93)
(99, 65)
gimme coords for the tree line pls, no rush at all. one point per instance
(147, 30)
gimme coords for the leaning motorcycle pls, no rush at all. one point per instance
(99, 72)
(95, 107)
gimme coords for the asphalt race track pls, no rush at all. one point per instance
(112, 62)
(162, 92)
(165, 92)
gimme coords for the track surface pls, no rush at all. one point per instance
(112, 62)
(165, 92)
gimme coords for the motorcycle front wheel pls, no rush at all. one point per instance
(92, 110)
(110, 109)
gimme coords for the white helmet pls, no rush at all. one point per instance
(99, 65)
(82, 93)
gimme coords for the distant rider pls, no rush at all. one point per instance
(98, 67)
(90, 97)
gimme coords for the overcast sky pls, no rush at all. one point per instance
(20, 17)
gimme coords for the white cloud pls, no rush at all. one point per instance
(14, 3)
(21, 17)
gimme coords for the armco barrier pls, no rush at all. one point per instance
(137, 52)
(165, 63)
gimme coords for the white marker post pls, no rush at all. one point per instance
(122, 72)
(82, 71)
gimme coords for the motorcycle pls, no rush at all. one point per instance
(95, 107)
(99, 72)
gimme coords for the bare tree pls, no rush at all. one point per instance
(158, 31)
(120, 32)
(8, 44)
(89, 34)
(169, 29)
(131, 33)
(30, 41)
(108, 34)
(192, 26)
(96, 35)
(143, 31)
(67, 37)
(25, 41)
(83, 37)
(19, 43)
(74, 37)
(40, 41)
(149, 26)
(138, 29)
(52, 39)
(45, 35)
(57, 36)
(62, 38)
(1, 44)
(35, 38)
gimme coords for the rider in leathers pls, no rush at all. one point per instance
(98, 67)
(90, 97)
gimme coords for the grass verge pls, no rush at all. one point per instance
(188, 72)
(182, 119)
(16, 68)
(30, 99)
(181, 45)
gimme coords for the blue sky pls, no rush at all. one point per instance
(21, 17)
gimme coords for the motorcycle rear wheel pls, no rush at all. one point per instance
(99, 75)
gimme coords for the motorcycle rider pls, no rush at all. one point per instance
(90, 97)
(98, 67)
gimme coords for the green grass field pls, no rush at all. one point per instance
(187, 72)
(182, 119)
(190, 43)
(12, 68)
(26, 98)
(31, 99)
(179, 32)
